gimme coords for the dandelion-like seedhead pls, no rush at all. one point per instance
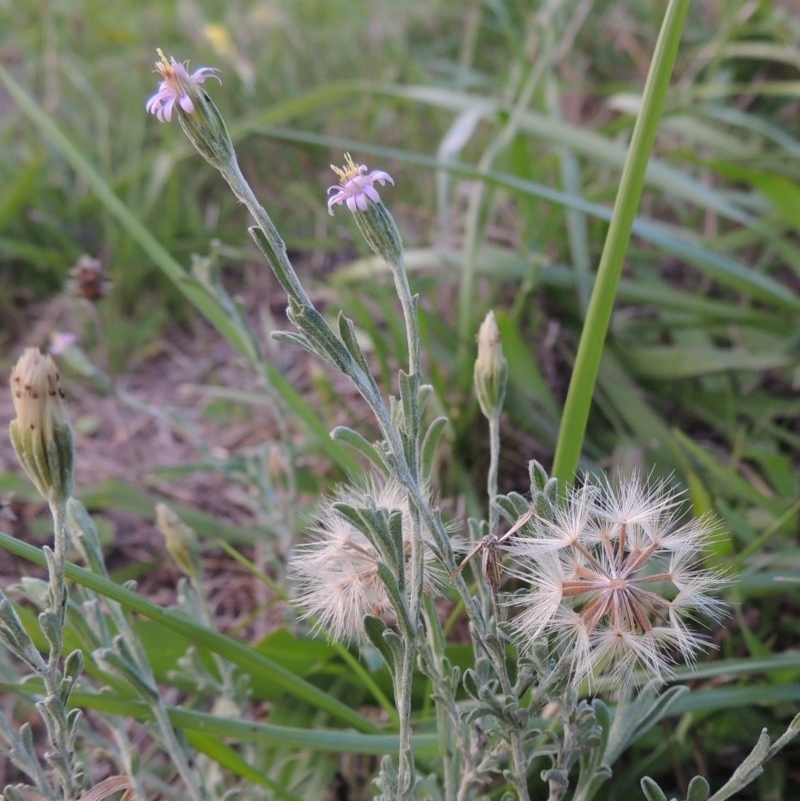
(177, 86)
(336, 573)
(356, 189)
(615, 584)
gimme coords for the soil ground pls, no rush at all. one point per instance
(116, 442)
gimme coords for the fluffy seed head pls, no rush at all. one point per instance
(336, 573)
(615, 583)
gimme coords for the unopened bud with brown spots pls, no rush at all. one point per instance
(41, 434)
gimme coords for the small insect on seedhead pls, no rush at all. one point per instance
(491, 558)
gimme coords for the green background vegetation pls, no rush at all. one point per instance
(505, 126)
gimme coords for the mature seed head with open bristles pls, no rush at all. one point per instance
(336, 573)
(615, 583)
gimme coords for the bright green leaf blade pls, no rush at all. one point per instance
(334, 741)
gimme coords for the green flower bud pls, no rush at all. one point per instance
(181, 541)
(491, 368)
(380, 232)
(207, 131)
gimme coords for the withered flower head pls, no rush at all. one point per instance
(87, 280)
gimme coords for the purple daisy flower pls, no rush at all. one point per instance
(176, 87)
(356, 189)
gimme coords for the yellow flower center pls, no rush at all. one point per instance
(163, 65)
(349, 171)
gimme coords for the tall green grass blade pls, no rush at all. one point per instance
(590, 349)
(122, 497)
(636, 417)
(779, 695)
(577, 222)
(669, 363)
(508, 265)
(752, 122)
(727, 477)
(581, 141)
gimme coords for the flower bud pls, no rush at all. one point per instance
(380, 232)
(181, 541)
(491, 368)
(207, 131)
(41, 434)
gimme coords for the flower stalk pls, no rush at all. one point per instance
(42, 439)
